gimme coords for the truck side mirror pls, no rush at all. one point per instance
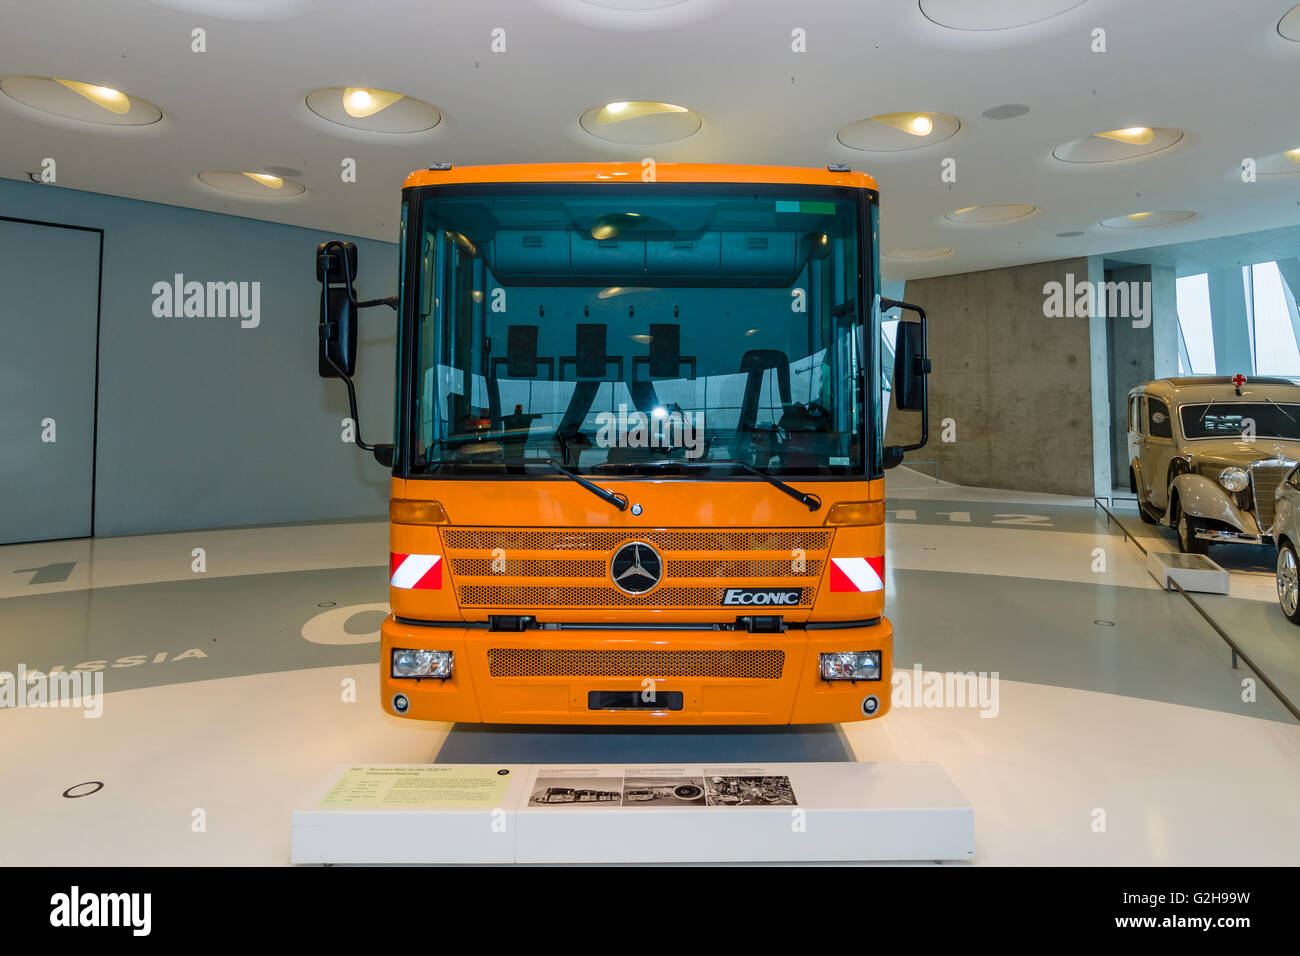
(909, 376)
(911, 366)
(336, 265)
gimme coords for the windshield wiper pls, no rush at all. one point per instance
(812, 502)
(1277, 406)
(618, 501)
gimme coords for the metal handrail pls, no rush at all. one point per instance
(1237, 652)
(1096, 503)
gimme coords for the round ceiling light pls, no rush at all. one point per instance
(1285, 163)
(240, 9)
(251, 185)
(375, 111)
(893, 132)
(635, 14)
(634, 4)
(1289, 25)
(1004, 15)
(999, 212)
(640, 122)
(86, 102)
(936, 253)
(1006, 111)
(1148, 220)
(1117, 145)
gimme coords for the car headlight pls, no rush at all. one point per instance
(851, 665)
(413, 663)
(1234, 479)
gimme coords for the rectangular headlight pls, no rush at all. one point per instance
(413, 663)
(851, 665)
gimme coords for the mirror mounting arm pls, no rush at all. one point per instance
(390, 301)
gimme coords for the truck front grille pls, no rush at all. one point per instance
(536, 568)
(538, 662)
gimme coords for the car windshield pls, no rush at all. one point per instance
(619, 329)
(1240, 419)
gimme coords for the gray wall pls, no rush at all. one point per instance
(203, 423)
(1016, 383)
(1138, 355)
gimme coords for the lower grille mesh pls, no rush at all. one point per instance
(541, 662)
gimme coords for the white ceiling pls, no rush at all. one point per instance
(1215, 69)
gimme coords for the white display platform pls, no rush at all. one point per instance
(693, 813)
(1193, 572)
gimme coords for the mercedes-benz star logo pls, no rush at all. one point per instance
(636, 568)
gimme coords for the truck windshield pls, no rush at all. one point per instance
(617, 328)
(1235, 419)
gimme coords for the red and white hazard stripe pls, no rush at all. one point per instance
(416, 571)
(858, 574)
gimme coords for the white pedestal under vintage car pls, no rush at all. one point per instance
(1207, 455)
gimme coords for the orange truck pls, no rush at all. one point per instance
(638, 460)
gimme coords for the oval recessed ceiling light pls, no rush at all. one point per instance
(1285, 163)
(893, 132)
(634, 4)
(240, 9)
(251, 185)
(1148, 220)
(936, 253)
(372, 110)
(87, 102)
(1005, 111)
(1289, 25)
(998, 212)
(1133, 135)
(640, 122)
(983, 15)
(635, 14)
(1117, 145)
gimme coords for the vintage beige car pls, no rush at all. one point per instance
(1206, 455)
(1286, 532)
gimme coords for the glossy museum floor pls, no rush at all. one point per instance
(1120, 734)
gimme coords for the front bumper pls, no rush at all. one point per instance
(794, 693)
(1230, 536)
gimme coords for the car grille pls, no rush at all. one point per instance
(538, 662)
(532, 568)
(1264, 479)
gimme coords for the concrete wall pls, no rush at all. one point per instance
(1016, 384)
(203, 423)
(1139, 351)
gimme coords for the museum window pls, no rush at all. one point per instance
(1196, 357)
(1272, 313)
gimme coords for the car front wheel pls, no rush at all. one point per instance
(1288, 583)
(1187, 526)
